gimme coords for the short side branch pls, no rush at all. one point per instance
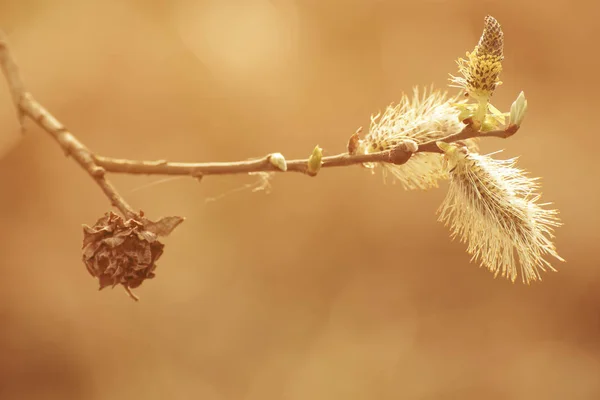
(27, 106)
(468, 132)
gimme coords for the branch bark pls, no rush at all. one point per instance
(97, 166)
(27, 106)
(399, 155)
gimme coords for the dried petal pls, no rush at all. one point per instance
(164, 226)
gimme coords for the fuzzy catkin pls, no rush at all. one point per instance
(481, 69)
(426, 116)
(493, 207)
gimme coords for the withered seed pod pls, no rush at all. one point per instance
(118, 251)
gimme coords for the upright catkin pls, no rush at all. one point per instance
(481, 69)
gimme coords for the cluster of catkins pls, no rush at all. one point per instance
(491, 205)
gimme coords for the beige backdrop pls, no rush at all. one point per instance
(338, 287)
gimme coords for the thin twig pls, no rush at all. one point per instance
(468, 132)
(29, 107)
(263, 164)
(97, 165)
(397, 156)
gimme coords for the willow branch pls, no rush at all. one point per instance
(262, 164)
(97, 166)
(468, 132)
(400, 155)
(27, 106)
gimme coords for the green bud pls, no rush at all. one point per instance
(315, 161)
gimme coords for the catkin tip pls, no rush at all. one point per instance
(491, 41)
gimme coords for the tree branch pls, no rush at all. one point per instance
(96, 165)
(263, 164)
(399, 155)
(27, 106)
(468, 132)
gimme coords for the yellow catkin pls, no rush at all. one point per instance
(481, 69)
(493, 207)
(427, 115)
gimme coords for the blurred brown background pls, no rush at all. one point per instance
(338, 287)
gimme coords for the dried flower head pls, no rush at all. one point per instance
(492, 206)
(120, 252)
(481, 69)
(427, 116)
